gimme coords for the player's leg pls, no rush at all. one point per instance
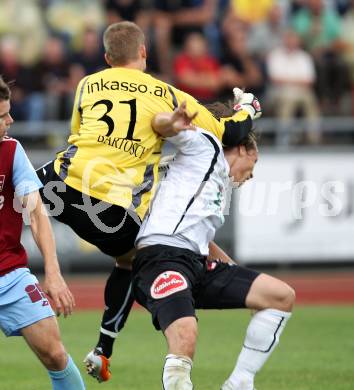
(236, 287)
(118, 300)
(163, 281)
(112, 230)
(43, 337)
(273, 300)
(181, 337)
(118, 295)
(25, 310)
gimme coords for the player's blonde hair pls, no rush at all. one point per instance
(5, 93)
(122, 41)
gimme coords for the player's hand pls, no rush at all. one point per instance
(181, 120)
(55, 287)
(248, 102)
(169, 124)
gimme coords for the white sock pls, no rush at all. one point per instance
(262, 337)
(176, 373)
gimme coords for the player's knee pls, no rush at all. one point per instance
(268, 292)
(285, 298)
(55, 358)
(181, 336)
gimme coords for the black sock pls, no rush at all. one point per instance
(118, 298)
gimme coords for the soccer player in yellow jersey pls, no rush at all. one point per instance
(107, 175)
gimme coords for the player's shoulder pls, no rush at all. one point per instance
(209, 138)
(197, 142)
(10, 139)
(10, 148)
(10, 142)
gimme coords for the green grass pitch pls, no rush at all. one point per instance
(316, 352)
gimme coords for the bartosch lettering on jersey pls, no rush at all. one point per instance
(123, 144)
(114, 85)
(168, 283)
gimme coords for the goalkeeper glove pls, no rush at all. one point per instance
(247, 102)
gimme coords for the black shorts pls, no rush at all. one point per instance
(172, 282)
(109, 227)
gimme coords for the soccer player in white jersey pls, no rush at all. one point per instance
(172, 275)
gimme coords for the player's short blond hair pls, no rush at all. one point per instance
(5, 93)
(122, 41)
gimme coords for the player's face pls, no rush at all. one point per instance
(242, 169)
(5, 118)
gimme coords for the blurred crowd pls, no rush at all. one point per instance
(297, 56)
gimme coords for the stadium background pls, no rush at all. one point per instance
(296, 220)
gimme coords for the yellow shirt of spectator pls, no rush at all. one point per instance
(251, 11)
(113, 152)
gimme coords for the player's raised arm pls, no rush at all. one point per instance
(231, 128)
(168, 124)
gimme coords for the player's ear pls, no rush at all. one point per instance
(106, 57)
(242, 150)
(142, 51)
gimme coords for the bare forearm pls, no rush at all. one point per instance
(215, 252)
(169, 124)
(161, 124)
(43, 236)
(54, 284)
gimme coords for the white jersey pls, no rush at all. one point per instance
(188, 206)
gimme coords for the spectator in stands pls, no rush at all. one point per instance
(319, 27)
(90, 56)
(196, 71)
(137, 11)
(50, 82)
(69, 19)
(23, 21)
(246, 12)
(132, 10)
(13, 71)
(173, 21)
(267, 35)
(292, 75)
(245, 70)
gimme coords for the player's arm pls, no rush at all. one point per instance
(27, 184)
(230, 130)
(236, 127)
(54, 284)
(168, 124)
(215, 252)
(76, 114)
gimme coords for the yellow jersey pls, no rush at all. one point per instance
(113, 152)
(250, 11)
